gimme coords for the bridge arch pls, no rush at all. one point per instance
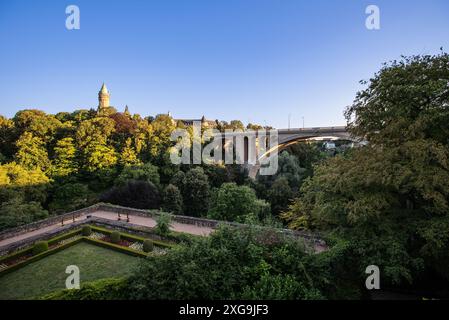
(289, 137)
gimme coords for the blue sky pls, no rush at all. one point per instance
(253, 60)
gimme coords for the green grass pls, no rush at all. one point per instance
(47, 275)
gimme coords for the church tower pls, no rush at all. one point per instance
(103, 97)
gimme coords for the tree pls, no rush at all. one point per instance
(179, 180)
(389, 197)
(94, 131)
(69, 197)
(196, 192)
(159, 140)
(17, 181)
(31, 152)
(98, 156)
(279, 195)
(236, 203)
(146, 172)
(65, 154)
(134, 194)
(7, 137)
(289, 168)
(37, 123)
(252, 126)
(236, 125)
(128, 155)
(217, 174)
(308, 154)
(406, 100)
(16, 212)
(233, 264)
(172, 200)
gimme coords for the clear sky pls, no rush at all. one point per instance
(253, 60)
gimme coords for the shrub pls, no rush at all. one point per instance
(104, 289)
(163, 224)
(86, 231)
(40, 247)
(172, 199)
(115, 237)
(148, 246)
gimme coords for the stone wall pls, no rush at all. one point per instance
(200, 222)
(24, 243)
(46, 222)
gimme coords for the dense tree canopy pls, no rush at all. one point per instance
(236, 203)
(391, 197)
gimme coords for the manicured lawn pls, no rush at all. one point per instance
(47, 275)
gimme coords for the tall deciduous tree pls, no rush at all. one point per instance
(390, 197)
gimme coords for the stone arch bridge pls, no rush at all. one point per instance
(254, 157)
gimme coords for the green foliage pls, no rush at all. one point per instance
(196, 192)
(290, 169)
(64, 162)
(163, 224)
(40, 247)
(16, 212)
(159, 139)
(405, 101)
(16, 181)
(86, 231)
(148, 245)
(94, 131)
(69, 197)
(233, 264)
(172, 200)
(99, 156)
(280, 287)
(104, 289)
(128, 156)
(390, 199)
(31, 152)
(134, 194)
(235, 203)
(146, 172)
(7, 137)
(37, 123)
(115, 237)
(280, 195)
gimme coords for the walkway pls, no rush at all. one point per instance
(138, 220)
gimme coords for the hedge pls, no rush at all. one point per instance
(52, 241)
(115, 247)
(104, 289)
(130, 237)
(39, 247)
(39, 256)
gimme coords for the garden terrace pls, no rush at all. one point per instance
(24, 273)
(141, 220)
